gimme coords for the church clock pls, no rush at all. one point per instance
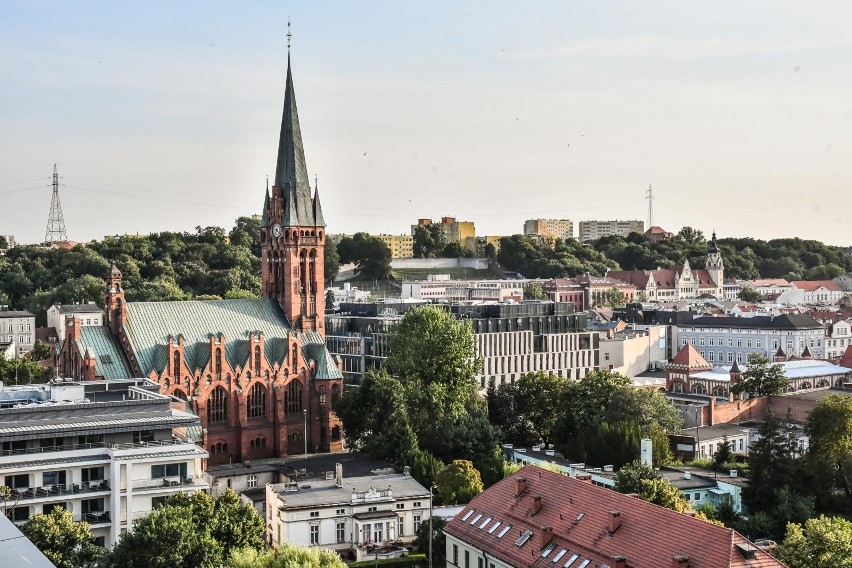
(276, 230)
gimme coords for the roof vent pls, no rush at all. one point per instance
(747, 550)
(680, 561)
(687, 475)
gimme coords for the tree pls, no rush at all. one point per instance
(749, 295)
(612, 298)
(538, 397)
(761, 377)
(66, 543)
(439, 540)
(691, 236)
(331, 262)
(490, 251)
(661, 492)
(824, 542)
(287, 556)
(646, 407)
(458, 482)
(329, 300)
(4, 244)
(429, 240)
(533, 291)
(723, 456)
(829, 426)
(629, 478)
(41, 351)
(503, 413)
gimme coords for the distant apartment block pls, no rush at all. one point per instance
(594, 230)
(17, 328)
(455, 231)
(401, 246)
(107, 451)
(553, 228)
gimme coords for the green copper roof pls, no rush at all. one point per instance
(149, 325)
(313, 347)
(98, 342)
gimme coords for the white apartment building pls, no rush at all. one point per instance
(723, 340)
(108, 451)
(823, 292)
(594, 230)
(18, 328)
(555, 228)
(346, 514)
(458, 290)
(89, 314)
(633, 351)
(838, 338)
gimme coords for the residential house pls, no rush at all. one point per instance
(17, 328)
(89, 314)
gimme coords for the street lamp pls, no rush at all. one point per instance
(431, 487)
(305, 411)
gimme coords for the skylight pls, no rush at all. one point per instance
(571, 560)
(485, 522)
(494, 528)
(467, 515)
(476, 518)
(585, 563)
(559, 555)
(504, 531)
(548, 550)
(523, 538)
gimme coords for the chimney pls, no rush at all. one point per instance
(545, 537)
(614, 521)
(680, 562)
(338, 474)
(520, 485)
(536, 505)
(619, 561)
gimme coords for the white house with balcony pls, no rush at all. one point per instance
(108, 451)
(368, 517)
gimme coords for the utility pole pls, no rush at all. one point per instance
(431, 487)
(305, 411)
(649, 195)
(55, 231)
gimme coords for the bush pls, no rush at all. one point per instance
(412, 560)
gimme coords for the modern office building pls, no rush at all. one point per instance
(108, 451)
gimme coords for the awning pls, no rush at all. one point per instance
(375, 515)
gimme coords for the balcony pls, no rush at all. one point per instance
(161, 483)
(152, 444)
(95, 517)
(51, 491)
(50, 449)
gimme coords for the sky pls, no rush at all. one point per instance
(164, 116)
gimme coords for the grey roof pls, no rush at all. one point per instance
(16, 314)
(99, 342)
(17, 550)
(149, 325)
(79, 309)
(716, 431)
(291, 173)
(92, 424)
(53, 461)
(324, 492)
(786, 321)
(313, 347)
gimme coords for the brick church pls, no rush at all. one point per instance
(257, 372)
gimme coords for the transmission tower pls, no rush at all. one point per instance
(55, 222)
(649, 195)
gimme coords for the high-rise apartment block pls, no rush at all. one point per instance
(594, 230)
(555, 228)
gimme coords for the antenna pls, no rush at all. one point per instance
(649, 195)
(55, 231)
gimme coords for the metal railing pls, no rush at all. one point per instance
(151, 444)
(95, 517)
(47, 449)
(57, 490)
(166, 482)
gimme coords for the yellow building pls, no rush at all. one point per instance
(401, 246)
(462, 232)
(555, 228)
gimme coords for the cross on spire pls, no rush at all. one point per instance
(289, 35)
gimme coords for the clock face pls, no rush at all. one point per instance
(276, 230)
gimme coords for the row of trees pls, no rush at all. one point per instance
(422, 409)
(599, 419)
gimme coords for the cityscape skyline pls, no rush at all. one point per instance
(480, 111)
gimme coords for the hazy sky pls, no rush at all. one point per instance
(165, 115)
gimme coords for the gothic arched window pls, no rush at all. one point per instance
(218, 362)
(257, 358)
(217, 406)
(176, 369)
(293, 397)
(257, 401)
(335, 393)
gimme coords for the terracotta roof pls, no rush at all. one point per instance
(846, 359)
(769, 282)
(505, 526)
(689, 359)
(812, 285)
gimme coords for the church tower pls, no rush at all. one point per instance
(714, 265)
(292, 230)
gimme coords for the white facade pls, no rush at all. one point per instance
(632, 353)
(18, 328)
(90, 315)
(347, 513)
(497, 290)
(838, 339)
(594, 230)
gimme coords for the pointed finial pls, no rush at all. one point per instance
(289, 35)
(267, 182)
(316, 181)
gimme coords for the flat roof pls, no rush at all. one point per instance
(717, 431)
(324, 492)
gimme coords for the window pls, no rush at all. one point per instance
(372, 509)
(701, 341)
(252, 481)
(92, 505)
(341, 512)
(730, 357)
(293, 397)
(378, 533)
(314, 534)
(400, 527)
(257, 401)
(257, 358)
(20, 481)
(480, 562)
(168, 470)
(56, 478)
(314, 514)
(456, 554)
(748, 342)
(157, 502)
(466, 559)
(758, 343)
(143, 436)
(400, 505)
(417, 523)
(48, 507)
(341, 532)
(217, 406)
(18, 514)
(697, 496)
(417, 504)
(710, 356)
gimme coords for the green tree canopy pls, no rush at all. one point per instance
(429, 240)
(533, 291)
(761, 377)
(458, 482)
(66, 543)
(629, 478)
(829, 426)
(823, 542)
(287, 556)
(749, 295)
(538, 398)
(439, 540)
(661, 492)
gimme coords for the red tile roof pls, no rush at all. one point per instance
(580, 516)
(846, 359)
(689, 359)
(811, 285)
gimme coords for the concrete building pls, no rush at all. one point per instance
(538, 518)
(401, 246)
(89, 314)
(594, 230)
(728, 339)
(442, 287)
(17, 328)
(364, 517)
(108, 451)
(631, 352)
(550, 228)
